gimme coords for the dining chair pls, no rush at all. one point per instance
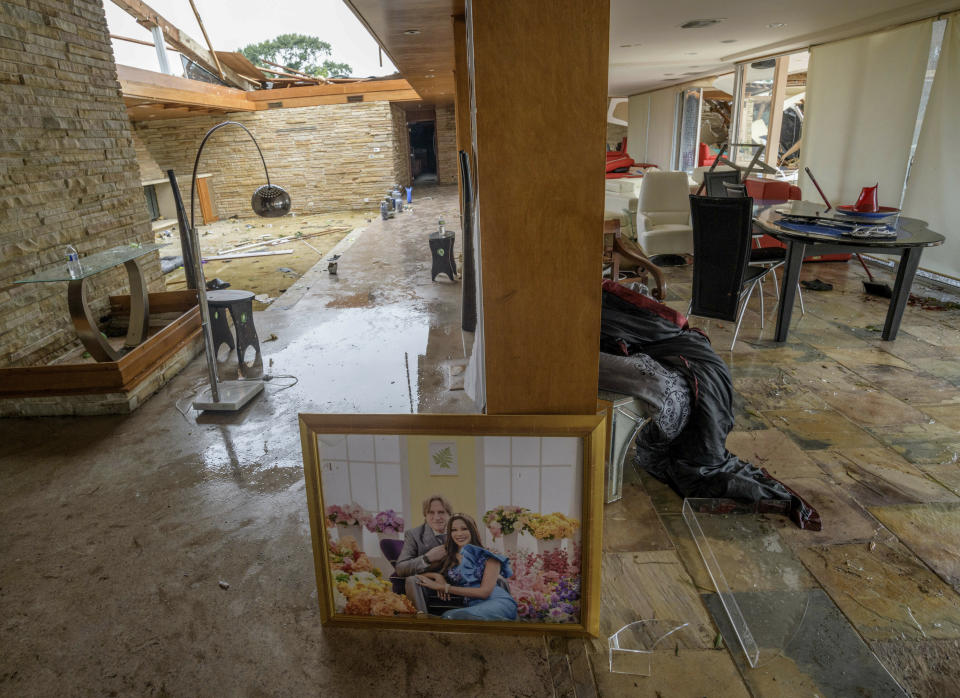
(772, 257)
(714, 181)
(723, 279)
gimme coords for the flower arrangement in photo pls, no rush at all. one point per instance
(504, 520)
(368, 594)
(387, 521)
(352, 515)
(346, 556)
(550, 526)
(546, 586)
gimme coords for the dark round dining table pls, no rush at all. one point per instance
(912, 236)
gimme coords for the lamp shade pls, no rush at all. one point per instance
(270, 201)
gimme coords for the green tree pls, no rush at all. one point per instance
(305, 54)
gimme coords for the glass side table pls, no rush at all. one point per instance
(80, 314)
(625, 418)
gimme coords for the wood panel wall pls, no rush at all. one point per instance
(539, 84)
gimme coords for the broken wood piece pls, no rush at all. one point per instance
(203, 30)
(243, 255)
(311, 247)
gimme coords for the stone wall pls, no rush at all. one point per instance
(401, 146)
(446, 144)
(68, 170)
(329, 157)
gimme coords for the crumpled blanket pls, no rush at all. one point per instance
(695, 461)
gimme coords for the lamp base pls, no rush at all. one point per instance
(233, 396)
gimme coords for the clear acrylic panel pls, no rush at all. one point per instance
(632, 647)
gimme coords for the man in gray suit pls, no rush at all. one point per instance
(423, 548)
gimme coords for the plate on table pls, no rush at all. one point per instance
(884, 211)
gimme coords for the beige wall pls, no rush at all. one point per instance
(68, 170)
(329, 157)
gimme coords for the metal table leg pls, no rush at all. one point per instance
(906, 270)
(788, 288)
(86, 326)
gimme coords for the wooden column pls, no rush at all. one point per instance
(539, 85)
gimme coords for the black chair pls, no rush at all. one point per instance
(723, 279)
(771, 257)
(715, 181)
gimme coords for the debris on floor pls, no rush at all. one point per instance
(816, 285)
(217, 284)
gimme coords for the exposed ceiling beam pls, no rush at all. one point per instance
(180, 41)
(157, 87)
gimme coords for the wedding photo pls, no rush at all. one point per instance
(451, 527)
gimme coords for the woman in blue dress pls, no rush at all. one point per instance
(472, 571)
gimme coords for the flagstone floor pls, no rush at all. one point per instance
(117, 531)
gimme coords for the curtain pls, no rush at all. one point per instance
(638, 109)
(863, 95)
(933, 190)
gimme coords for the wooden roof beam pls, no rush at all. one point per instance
(146, 84)
(180, 41)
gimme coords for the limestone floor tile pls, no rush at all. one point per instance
(906, 346)
(926, 668)
(910, 385)
(675, 673)
(931, 332)
(638, 586)
(843, 519)
(945, 369)
(816, 652)
(946, 475)
(879, 476)
(885, 590)
(773, 450)
(854, 397)
(856, 357)
(921, 444)
(748, 549)
(932, 531)
(631, 524)
(778, 393)
(820, 429)
(948, 415)
(776, 356)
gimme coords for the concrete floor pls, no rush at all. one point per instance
(117, 531)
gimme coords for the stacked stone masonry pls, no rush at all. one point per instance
(446, 123)
(329, 157)
(401, 146)
(68, 169)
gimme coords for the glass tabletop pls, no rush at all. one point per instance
(91, 264)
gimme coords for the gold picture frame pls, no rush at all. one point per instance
(587, 430)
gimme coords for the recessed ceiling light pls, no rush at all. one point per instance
(668, 73)
(690, 53)
(431, 75)
(701, 23)
(729, 41)
(625, 45)
(412, 32)
(776, 25)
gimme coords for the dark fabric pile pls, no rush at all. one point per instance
(695, 461)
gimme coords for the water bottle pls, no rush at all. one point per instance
(384, 210)
(441, 225)
(73, 262)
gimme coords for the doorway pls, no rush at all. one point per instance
(423, 151)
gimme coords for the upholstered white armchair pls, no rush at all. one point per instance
(663, 214)
(620, 203)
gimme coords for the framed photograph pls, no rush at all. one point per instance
(457, 522)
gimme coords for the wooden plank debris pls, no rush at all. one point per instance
(243, 255)
(203, 30)
(147, 17)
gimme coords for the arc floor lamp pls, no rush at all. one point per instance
(268, 201)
